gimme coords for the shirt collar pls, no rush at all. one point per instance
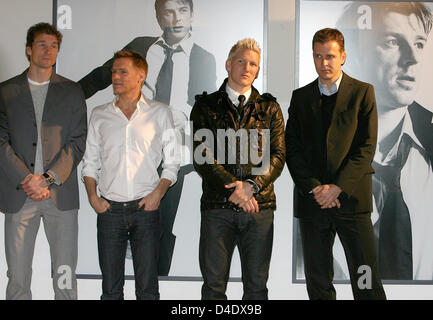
(234, 95)
(407, 128)
(35, 83)
(142, 104)
(185, 44)
(334, 88)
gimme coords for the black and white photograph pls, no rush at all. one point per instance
(388, 45)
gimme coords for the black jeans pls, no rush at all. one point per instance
(223, 229)
(356, 234)
(123, 222)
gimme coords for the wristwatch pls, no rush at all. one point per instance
(48, 178)
(255, 187)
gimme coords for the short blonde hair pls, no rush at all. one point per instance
(248, 44)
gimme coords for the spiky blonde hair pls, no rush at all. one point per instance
(247, 43)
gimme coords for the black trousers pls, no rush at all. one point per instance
(221, 231)
(356, 234)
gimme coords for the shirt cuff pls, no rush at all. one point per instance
(89, 173)
(167, 174)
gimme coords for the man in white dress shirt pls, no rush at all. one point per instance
(179, 69)
(389, 53)
(127, 140)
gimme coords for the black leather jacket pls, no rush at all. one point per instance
(214, 114)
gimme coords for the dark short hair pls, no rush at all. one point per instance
(42, 28)
(159, 3)
(329, 34)
(137, 60)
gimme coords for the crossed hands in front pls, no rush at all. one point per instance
(326, 196)
(243, 197)
(35, 187)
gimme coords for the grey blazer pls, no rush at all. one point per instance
(63, 136)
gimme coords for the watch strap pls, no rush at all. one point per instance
(48, 178)
(254, 185)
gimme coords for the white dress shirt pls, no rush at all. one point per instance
(179, 87)
(123, 155)
(234, 95)
(323, 88)
(416, 183)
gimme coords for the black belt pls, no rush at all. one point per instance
(116, 204)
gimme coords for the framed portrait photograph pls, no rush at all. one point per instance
(203, 33)
(388, 45)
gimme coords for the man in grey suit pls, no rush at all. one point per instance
(43, 127)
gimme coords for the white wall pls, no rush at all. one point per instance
(16, 16)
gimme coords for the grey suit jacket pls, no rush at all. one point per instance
(63, 136)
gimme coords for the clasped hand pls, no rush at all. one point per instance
(326, 196)
(242, 196)
(35, 187)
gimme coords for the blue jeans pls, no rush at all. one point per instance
(221, 231)
(122, 222)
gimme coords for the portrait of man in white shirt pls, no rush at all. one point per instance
(390, 53)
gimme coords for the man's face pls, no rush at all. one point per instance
(243, 69)
(392, 65)
(328, 59)
(43, 52)
(126, 78)
(175, 18)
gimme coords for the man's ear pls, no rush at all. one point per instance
(344, 55)
(28, 51)
(142, 76)
(228, 65)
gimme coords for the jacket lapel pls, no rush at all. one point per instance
(26, 100)
(335, 130)
(51, 95)
(343, 97)
(315, 101)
